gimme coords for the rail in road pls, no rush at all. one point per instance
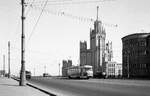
(93, 87)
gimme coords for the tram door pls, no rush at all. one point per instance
(82, 72)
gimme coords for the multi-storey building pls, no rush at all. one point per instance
(113, 69)
(108, 56)
(108, 52)
(136, 55)
(94, 56)
(99, 53)
(110, 70)
(66, 64)
(97, 46)
(85, 54)
(118, 70)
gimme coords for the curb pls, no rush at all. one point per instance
(33, 86)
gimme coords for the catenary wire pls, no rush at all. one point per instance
(33, 30)
(62, 13)
(64, 2)
(29, 7)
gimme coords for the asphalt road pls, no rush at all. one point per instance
(93, 87)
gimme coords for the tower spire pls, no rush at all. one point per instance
(97, 12)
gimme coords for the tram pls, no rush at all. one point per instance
(85, 71)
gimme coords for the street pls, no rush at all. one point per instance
(93, 87)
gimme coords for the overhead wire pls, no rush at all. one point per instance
(35, 5)
(37, 21)
(78, 2)
(13, 36)
(65, 2)
(62, 13)
(27, 12)
(27, 0)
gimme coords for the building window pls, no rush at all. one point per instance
(142, 43)
(144, 66)
(147, 52)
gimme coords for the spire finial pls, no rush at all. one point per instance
(97, 12)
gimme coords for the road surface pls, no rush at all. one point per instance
(93, 87)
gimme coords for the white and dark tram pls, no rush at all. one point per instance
(85, 71)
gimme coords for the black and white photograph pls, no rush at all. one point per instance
(75, 48)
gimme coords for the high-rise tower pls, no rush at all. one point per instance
(94, 56)
(97, 45)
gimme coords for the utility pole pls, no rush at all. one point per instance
(59, 69)
(45, 69)
(9, 59)
(22, 72)
(34, 71)
(4, 64)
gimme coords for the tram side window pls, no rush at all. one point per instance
(88, 69)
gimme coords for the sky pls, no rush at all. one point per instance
(56, 37)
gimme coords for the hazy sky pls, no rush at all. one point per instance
(56, 37)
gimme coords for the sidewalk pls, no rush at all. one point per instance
(10, 87)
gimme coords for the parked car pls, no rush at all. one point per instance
(28, 74)
(46, 75)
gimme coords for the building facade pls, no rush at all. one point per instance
(65, 65)
(113, 69)
(118, 70)
(108, 52)
(85, 54)
(136, 55)
(94, 56)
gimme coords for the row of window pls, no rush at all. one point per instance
(73, 70)
(111, 65)
(111, 70)
(135, 52)
(140, 71)
(137, 66)
(134, 42)
(140, 66)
